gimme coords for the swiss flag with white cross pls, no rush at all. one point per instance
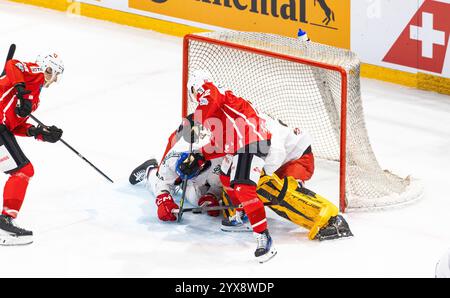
(423, 43)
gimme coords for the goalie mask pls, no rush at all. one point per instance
(195, 83)
(52, 66)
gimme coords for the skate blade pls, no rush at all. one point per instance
(267, 257)
(9, 240)
(236, 230)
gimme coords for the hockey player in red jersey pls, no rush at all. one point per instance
(237, 131)
(20, 89)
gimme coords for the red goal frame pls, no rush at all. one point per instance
(344, 79)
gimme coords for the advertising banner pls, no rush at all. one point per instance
(326, 21)
(411, 35)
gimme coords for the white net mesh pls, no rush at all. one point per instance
(307, 97)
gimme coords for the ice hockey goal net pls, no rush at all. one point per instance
(307, 85)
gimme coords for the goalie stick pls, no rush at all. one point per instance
(12, 50)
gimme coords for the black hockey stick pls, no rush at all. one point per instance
(198, 210)
(76, 152)
(12, 50)
(280, 198)
(183, 187)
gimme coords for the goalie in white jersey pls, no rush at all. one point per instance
(290, 152)
(164, 180)
(203, 187)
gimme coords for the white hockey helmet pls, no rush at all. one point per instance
(52, 66)
(196, 81)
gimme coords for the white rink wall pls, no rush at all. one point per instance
(378, 25)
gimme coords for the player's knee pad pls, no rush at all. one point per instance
(26, 172)
(11, 156)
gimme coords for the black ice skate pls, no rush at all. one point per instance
(10, 234)
(336, 228)
(265, 250)
(140, 173)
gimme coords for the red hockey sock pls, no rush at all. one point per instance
(15, 189)
(253, 207)
(225, 180)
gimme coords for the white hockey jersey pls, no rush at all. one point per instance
(165, 178)
(287, 144)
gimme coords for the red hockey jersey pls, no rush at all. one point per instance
(233, 121)
(19, 72)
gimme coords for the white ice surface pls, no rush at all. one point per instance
(117, 104)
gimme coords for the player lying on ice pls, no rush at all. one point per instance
(327, 217)
(290, 154)
(164, 181)
(20, 89)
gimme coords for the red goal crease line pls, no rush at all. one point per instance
(341, 70)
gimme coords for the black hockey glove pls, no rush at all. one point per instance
(193, 164)
(50, 134)
(188, 130)
(191, 135)
(23, 106)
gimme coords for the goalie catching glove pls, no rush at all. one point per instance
(50, 134)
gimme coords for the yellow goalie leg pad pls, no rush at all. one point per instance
(226, 201)
(299, 205)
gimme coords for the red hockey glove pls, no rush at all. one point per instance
(165, 205)
(210, 201)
